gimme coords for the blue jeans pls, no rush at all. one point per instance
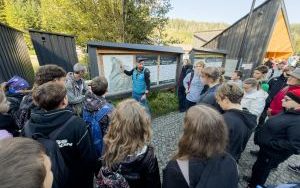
(143, 102)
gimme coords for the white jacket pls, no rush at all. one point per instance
(255, 101)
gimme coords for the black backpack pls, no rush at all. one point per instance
(59, 169)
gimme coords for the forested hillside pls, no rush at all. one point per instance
(183, 30)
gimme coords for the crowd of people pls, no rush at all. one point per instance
(64, 133)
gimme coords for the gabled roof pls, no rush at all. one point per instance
(207, 35)
(51, 33)
(256, 9)
(141, 47)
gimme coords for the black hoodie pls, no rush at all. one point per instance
(74, 142)
(240, 125)
(219, 171)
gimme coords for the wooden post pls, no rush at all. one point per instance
(244, 44)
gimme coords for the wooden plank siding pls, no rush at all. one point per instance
(14, 56)
(260, 27)
(54, 48)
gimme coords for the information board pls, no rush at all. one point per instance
(230, 66)
(167, 69)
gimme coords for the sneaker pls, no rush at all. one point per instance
(254, 152)
(294, 168)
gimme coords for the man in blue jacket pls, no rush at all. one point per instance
(140, 82)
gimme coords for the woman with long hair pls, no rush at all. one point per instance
(127, 146)
(201, 160)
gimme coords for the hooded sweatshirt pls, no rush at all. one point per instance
(74, 143)
(240, 125)
(219, 171)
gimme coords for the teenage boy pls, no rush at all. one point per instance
(46, 73)
(73, 139)
(97, 109)
(236, 78)
(259, 74)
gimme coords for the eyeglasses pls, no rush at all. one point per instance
(198, 66)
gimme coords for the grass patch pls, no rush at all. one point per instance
(160, 102)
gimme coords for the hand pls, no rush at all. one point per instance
(187, 91)
(143, 97)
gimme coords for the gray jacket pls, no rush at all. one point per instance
(76, 92)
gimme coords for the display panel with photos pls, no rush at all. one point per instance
(118, 81)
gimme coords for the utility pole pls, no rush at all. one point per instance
(244, 44)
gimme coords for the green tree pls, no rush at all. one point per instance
(2, 12)
(23, 14)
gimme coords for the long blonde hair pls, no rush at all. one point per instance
(129, 131)
(4, 104)
(205, 134)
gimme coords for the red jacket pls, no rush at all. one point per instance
(276, 104)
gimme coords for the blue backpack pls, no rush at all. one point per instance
(93, 119)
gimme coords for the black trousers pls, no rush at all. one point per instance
(181, 99)
(189, 104)
(264, 164)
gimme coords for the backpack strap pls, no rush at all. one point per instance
(184, 168)
(190, 81)
(53, 135)
(103, 112)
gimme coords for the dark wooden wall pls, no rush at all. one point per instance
(54, 48)
(14, 56)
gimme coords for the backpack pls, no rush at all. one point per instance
(58, 167)
(110, 179)
(93, 119)
(190, 81)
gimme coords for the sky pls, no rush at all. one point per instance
(227, 11)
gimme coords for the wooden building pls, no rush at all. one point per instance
(268, 36)
(54, 48)
(14, 56)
